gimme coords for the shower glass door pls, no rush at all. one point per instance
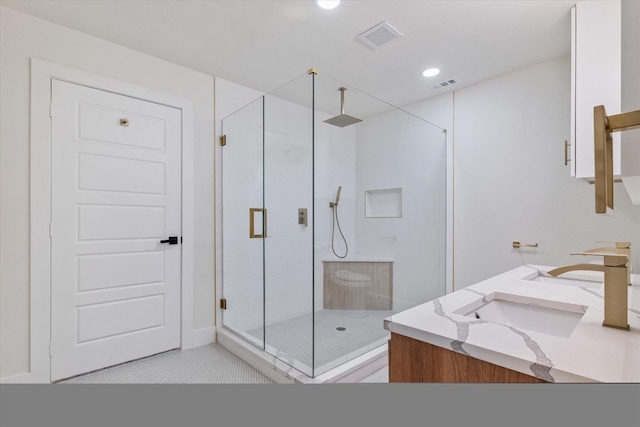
(267, 214)
(242, 219)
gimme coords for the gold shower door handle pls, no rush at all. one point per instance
(261, 222)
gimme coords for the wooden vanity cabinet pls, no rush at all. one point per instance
(412, 361)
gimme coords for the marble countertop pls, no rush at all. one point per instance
(591, 353)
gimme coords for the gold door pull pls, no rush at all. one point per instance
(519, 245)
(257, 223)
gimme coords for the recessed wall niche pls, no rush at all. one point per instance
(383, 203)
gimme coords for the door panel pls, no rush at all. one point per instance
(116, 192)
(115, 270)
(135, 176)
(120, 222)
(140, 130)
(108, 319)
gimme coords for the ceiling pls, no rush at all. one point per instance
(264, 44)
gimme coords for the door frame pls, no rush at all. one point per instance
(42, 72)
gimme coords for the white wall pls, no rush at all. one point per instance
(511, 183)
(23, 37)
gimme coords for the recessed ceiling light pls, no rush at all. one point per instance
(328, 4)
(430, 72)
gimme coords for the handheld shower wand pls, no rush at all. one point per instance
(334, 206)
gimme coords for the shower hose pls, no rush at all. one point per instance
(333, 224)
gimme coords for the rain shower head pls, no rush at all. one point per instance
(343, 119)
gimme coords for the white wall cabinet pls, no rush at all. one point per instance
(596, 78)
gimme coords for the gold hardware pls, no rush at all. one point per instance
(624, 121)
(124, 122)
(223, 303)
(615, 270)
(223, 140)
(622, 248)
(302, 216)
(603, 126)
(615, 181)
(252, 215)
(518, 245)
(600, 155)
(312, 71)
(566, 152)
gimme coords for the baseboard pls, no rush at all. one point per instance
(204, 336)
(26, 378)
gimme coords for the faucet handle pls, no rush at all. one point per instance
(616, 250)
(619, 244)
(610, 259)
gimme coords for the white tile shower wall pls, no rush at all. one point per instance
(290, 262)
(396, 150)
(335, 155)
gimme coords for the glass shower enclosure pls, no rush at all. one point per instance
(333, 218)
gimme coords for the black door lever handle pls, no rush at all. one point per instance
(173, 240)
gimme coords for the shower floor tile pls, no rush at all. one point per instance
(338, 334)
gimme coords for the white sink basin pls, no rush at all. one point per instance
(571, 279)
(549, 317)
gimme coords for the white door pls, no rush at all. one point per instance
(116, 193)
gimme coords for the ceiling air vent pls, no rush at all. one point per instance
(445, 83)
(381, 34)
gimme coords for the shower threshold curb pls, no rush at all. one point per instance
(352, 371)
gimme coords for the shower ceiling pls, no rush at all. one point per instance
(263, 44)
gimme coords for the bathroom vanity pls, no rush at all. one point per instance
(519, 326)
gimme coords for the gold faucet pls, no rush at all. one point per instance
(616, 273)
(622, 248)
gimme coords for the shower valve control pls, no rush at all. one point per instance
(302, 216)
